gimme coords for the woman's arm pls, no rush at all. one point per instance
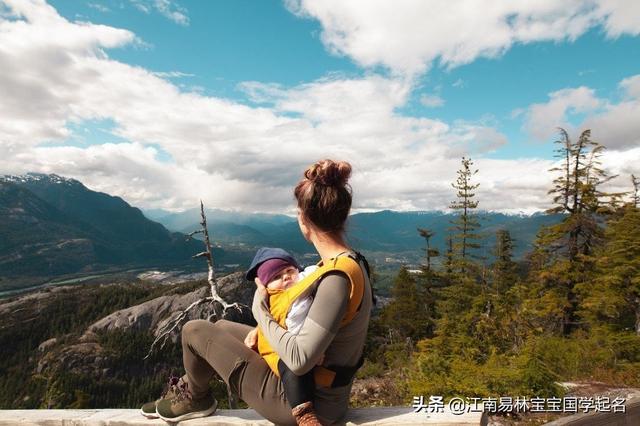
(301, 352)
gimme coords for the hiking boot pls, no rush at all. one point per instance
(305, 415)
(183, 406)
(170, 391)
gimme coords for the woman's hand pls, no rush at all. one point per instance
(260, 299)
(252, 339)
(260, 285)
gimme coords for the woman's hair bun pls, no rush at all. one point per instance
(329, 173)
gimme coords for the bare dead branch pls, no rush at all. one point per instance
(191, 234)
(175, 323)
(165, 331)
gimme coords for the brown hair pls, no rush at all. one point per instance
(324, 196)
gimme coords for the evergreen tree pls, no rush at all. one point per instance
(504, 301)
(635, 196)
(429, 282)
(429, 252)
(564, 255)
(466, 224)
(504, 269)
(448, 263)
(577, 193)
(406, 313)
(614, 297)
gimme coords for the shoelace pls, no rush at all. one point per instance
(170, 386)
(182, 392)
(179, 388)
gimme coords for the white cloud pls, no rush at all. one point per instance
(431, 101)
(459, 83)
(229, 154)
(99, 7)
(631, 87)
(172, 74)
(622, 17)
(614, 125)
(618, 127)
(543, 119)
(167, 8)
(408, 35)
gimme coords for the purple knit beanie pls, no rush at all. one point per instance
(271, 268)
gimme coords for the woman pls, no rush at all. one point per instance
(324, 200)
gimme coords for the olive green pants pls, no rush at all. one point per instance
(209, 348)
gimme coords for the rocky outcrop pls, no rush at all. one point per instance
(152, 315)
(80, 358)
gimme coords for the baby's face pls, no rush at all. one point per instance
(284, 279)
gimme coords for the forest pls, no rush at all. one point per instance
(473, 327)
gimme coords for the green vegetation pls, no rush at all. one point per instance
(116, 375)
(571, 311)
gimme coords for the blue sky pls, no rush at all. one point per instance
(142, 98)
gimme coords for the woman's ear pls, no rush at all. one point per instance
(303, 223)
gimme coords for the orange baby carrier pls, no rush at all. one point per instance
(281, 300)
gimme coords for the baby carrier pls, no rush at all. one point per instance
(281, 301)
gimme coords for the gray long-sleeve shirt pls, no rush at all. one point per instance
(321, 334)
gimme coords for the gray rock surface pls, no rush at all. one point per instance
(155, 313)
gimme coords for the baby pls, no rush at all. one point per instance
(278, 270)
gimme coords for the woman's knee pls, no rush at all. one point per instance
(198, 329)
(195, 329)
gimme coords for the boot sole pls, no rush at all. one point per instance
(194, 415)
(149, 415)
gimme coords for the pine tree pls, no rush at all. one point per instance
(577, 193)
(635, 196)
(564, 256)
(504, 269)
(614, 296)
(429, 282)
(406, 313)
(506, 295)
(429, 252)
(466, 222)
(448, 263)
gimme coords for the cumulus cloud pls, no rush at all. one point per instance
(230, 154)
(543, 119)
(618, 127)
(406, 36)
(614, 125)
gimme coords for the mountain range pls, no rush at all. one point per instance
(383, 234)
(53, 226)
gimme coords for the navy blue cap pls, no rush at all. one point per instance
(265, 253)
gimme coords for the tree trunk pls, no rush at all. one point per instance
(638, 316)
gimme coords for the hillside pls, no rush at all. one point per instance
(84, 346)
(54, 226)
